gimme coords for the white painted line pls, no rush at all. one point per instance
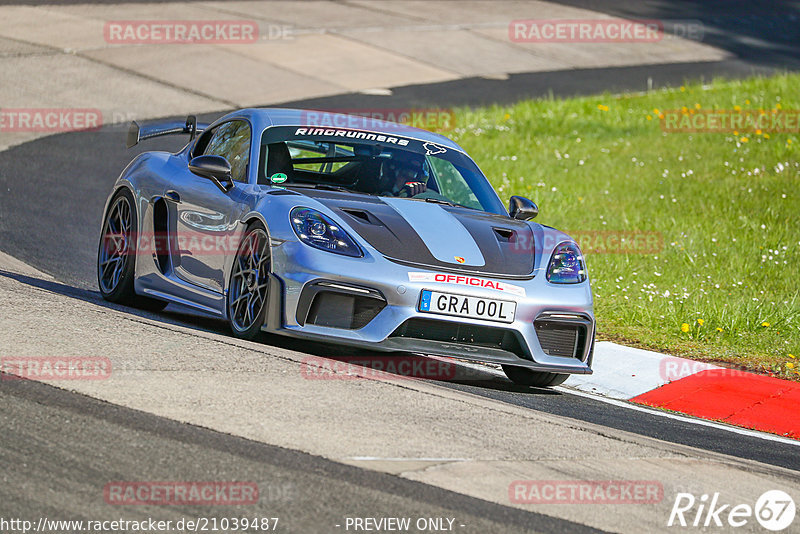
(636, 407)
(379, 459)
(683, 418)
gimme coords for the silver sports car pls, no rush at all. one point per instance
(334, 228)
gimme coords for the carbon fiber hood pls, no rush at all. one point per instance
(423, 234)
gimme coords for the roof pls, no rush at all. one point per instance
(263, 118)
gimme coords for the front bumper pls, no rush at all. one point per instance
(371, 303)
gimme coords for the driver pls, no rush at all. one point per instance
(404, 175)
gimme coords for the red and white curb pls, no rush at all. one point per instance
(698, 389)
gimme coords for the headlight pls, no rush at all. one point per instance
(566, 265)
(315, 229)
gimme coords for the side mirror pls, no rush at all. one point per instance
(522, 208)
(215, 168)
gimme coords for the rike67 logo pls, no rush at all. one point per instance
(774, 510)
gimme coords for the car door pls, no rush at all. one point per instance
(205, 215)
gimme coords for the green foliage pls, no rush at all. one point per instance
(726, 207)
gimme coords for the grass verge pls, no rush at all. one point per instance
(721, 280)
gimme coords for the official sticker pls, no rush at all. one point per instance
(463, 280)
(278, 178)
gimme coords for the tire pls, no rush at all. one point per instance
(116, 255)
(528, 377)
(248, 290)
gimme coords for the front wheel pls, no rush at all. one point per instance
(248, 290)
(528, 377)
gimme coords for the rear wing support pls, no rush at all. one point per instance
(139, 132)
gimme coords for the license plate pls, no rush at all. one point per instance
(465, 306)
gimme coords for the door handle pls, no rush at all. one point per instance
(173, 196)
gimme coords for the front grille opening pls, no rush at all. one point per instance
(338, 310)
(561, 339)
(467, 334)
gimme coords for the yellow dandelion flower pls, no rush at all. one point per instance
(697, 106)
(719, 329)
(792, 356)
(747, 102)
(743, 139)
(506, 116)
(789, 365)
(788, 141)
(766, 136)
(655, 110)
(700, 322)
(778, 105)
(684, 327)
(649, 117)
(660, 115)
(765, 324)
(735, 132)
(737, 108)
(758, 132)
(684, 109)
(683, 89)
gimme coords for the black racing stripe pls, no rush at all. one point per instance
(497, 237)
(503, 241)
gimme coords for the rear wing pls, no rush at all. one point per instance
(139, 132)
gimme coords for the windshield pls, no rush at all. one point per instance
(373, 164)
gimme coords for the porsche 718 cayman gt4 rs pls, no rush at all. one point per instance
(383, 237)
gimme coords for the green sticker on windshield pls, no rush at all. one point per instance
(278, 178)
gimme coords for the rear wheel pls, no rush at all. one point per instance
(248, 290)
(528, 377)
(116, 255)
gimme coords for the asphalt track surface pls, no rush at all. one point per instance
(489, 384)
(58, 472)
(51, 197)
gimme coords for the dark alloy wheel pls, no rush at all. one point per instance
(248, 291)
